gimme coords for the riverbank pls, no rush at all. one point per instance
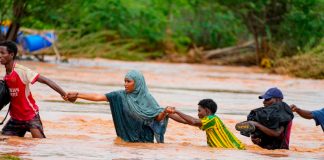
(106, 44)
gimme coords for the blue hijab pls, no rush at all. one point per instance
(140, 102)
(134, 113)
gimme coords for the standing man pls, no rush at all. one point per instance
(269, 126)
(23, 109)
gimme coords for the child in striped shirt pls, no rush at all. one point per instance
(217, 134)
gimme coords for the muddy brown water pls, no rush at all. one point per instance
(85, 130)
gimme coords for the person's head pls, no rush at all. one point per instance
(8, 52)
(206, 107)
(271, 96)
(134, 82)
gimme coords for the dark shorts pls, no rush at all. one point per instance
(19, 128)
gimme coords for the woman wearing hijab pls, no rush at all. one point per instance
(136, 114)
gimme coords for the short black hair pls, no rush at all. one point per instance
(209, 104)
(11, 47)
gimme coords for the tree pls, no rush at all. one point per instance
(4, 12)
(19, 9)
(22, 9)
(262, 18)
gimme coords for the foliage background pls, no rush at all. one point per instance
(284, 31)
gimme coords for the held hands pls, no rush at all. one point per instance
(169, 110)
(293, 108)
(64, 97)
(71, 96)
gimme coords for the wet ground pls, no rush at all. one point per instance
(85, 130)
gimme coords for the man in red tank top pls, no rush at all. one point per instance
(23, 108)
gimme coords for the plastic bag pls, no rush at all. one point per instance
(4, 94)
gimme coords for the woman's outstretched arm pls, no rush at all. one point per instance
(72, 96)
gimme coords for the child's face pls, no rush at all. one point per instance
(129, 85)
(5, 56)
(202, 112)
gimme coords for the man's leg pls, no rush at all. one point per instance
(36, 127)
(36, 133)
(14, 128)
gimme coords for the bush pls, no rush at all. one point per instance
(307, 65)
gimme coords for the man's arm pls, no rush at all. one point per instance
(267, 131)
(51, 84)
(303, 113)
(190, 120)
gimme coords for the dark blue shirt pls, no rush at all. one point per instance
(318, 116)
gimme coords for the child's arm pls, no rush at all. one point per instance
(72, 96)
(177, 118)
(51, 84)
(190, 120)
(174, 116)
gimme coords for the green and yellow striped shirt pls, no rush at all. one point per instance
(218, 135)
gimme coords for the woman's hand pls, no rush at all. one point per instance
(169, 110)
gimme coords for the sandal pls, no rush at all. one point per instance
(245, 127)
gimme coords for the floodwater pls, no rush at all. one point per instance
(85, 130)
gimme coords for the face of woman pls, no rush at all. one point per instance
(129, 85)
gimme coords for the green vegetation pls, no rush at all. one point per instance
(8, 157)
(305, 65)
(285, 33)
(107, 44)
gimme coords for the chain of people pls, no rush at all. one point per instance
(138, 117)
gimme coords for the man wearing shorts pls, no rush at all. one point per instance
(23, 109)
